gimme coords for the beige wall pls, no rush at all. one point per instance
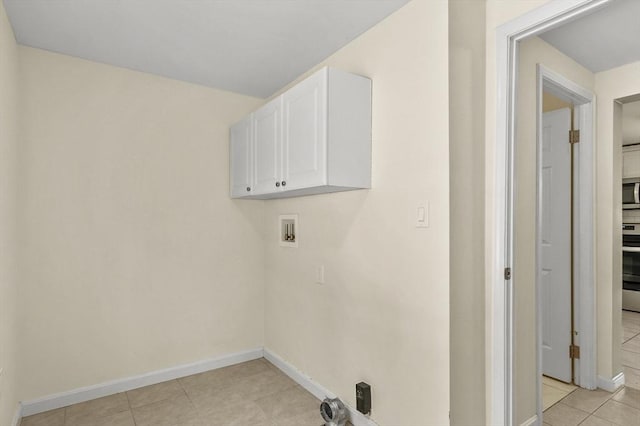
(552, 103)
(466, 145)
(134, 257)
(610, 85)
(8, 217)
(533, 51)
(383, 314)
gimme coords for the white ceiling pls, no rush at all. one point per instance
(603, 40)
(254, 47)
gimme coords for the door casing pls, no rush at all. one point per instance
(500, 291)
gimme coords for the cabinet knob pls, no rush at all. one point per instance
(278, 184)
(284, 183)
(248, 188)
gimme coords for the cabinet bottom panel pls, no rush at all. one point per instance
(300, 192)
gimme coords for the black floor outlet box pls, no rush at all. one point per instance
(363, 397)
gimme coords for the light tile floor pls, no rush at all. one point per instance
(252, 393)
(631, 348)
(596, 408)
(599, 408)
(258, 394)
(553, 391)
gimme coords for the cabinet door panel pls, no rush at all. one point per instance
(241, 165)
(304, 141)
(267, 134)
(631, 162)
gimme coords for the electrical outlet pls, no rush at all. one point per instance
(363, 397)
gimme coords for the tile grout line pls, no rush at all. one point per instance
(186, 394)
(557, 387)
(126, 394)
(612, 422)
(185, 391)
(630, 338)
(130, 408)
(600, 418)
(607, 400)
(561, 390)
(624, 403)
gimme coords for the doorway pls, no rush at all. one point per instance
(565, 286)
(552, 14)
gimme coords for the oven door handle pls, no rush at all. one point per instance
(636, 192)
(631, 249)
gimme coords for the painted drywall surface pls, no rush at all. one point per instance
(498, 12)
(134, 257)
(533, 51)
(466, 174)
(383, 314)
(8, 216)
(552, 103)
(610, 85)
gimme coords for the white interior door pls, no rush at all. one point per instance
(555, 244)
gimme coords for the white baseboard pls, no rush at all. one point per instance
(17, 416)
(320, 392)
(75, 396)
(611, 385)
(530, 422)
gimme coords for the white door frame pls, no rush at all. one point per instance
(500, 336)
(584, 226)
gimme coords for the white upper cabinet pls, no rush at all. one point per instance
(241, 158)
(631, 161)
(266, 146)
(312, 139)
(304, 136)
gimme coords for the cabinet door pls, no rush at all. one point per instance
(267, 135)
(240, 154)
(304, 139)
(631, 162)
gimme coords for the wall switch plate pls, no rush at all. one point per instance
(288, 230)
(422, 215)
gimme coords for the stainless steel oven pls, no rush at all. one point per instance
(631, 193)
(631, 266)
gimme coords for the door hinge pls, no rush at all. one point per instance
(507, 273)
(574, 352)
(574, 136)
